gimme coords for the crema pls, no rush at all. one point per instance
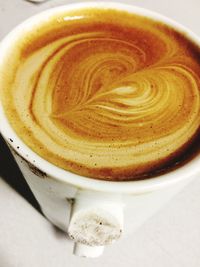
(104, 93)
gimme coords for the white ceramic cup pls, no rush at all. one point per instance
(93, 212)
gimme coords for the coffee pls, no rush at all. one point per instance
(104, 93)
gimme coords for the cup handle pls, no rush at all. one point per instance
(96, 221)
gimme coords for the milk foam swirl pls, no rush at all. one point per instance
(106, 103)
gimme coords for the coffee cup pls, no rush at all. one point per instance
(93, 212)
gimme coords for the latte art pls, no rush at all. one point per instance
(104, 93)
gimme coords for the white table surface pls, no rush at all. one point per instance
(27, 239)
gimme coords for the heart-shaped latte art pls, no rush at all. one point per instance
(107, 101)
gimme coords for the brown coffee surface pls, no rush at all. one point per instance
(104, 93)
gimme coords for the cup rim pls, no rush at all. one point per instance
(189, 169)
